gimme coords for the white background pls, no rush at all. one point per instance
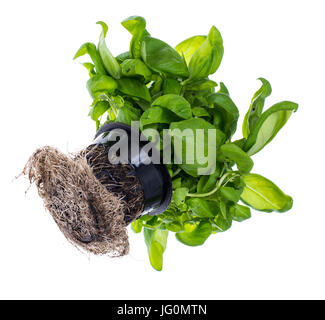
(44, 101)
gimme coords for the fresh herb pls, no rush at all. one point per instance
(164, 88)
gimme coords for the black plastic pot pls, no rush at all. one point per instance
(154, 178)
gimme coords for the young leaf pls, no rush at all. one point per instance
(135, 67)
(110, 63)
(90, 48)
(137, 226)
(203, 208)
(134, 88)
(231, 152)
(240, 213)
(187, 47)
(118, 102)
(100, 84)
(90, 67)
(223, 89)
(160, 57)
(179, 195)
(174, 103)
(268, 125)
(98, 109)
(262, 194)
(256, 108)
(153, 222)
(207, 57)
(157, 115)
(137, 27)
(195, 234)
(156, 241)
(227, 110)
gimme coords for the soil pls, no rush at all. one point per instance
(118, 179)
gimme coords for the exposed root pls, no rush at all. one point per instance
(88, 208)
(119, 179)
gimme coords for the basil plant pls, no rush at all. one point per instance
(164, 87)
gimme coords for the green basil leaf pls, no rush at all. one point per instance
(262, 194)
(156, 86)
(240, 143)
(200, 112)
(227, 110)
(137, 226)
(202, 208)
(223, 220)
(123, 56)
(111, 116)
(134, 88)
(90, 49)
(189, 182)
(160, 57)
(118, 102)
(110, 63)
(190, 136)
(195, 234)
(223, 210)
(174, 226)
(127, 114)
(238, 183)
(268, 125)
(187, 47)
(143, 104)
(179, 195)
(197, 98)
(176, 104)
(90, 67)
(207, 57)
(201, 84)
(177, 183)
(223, 89)
(156, 241)
(153, 223)
(98, 109)
(217, 118)
(240, 213)
(229, 193)
(231, 152)
(171, 86)
(135, 67)
(137, 27)
(200, 185)
(256, 108)
(100, 84)
(207, 183)
(157, 115)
